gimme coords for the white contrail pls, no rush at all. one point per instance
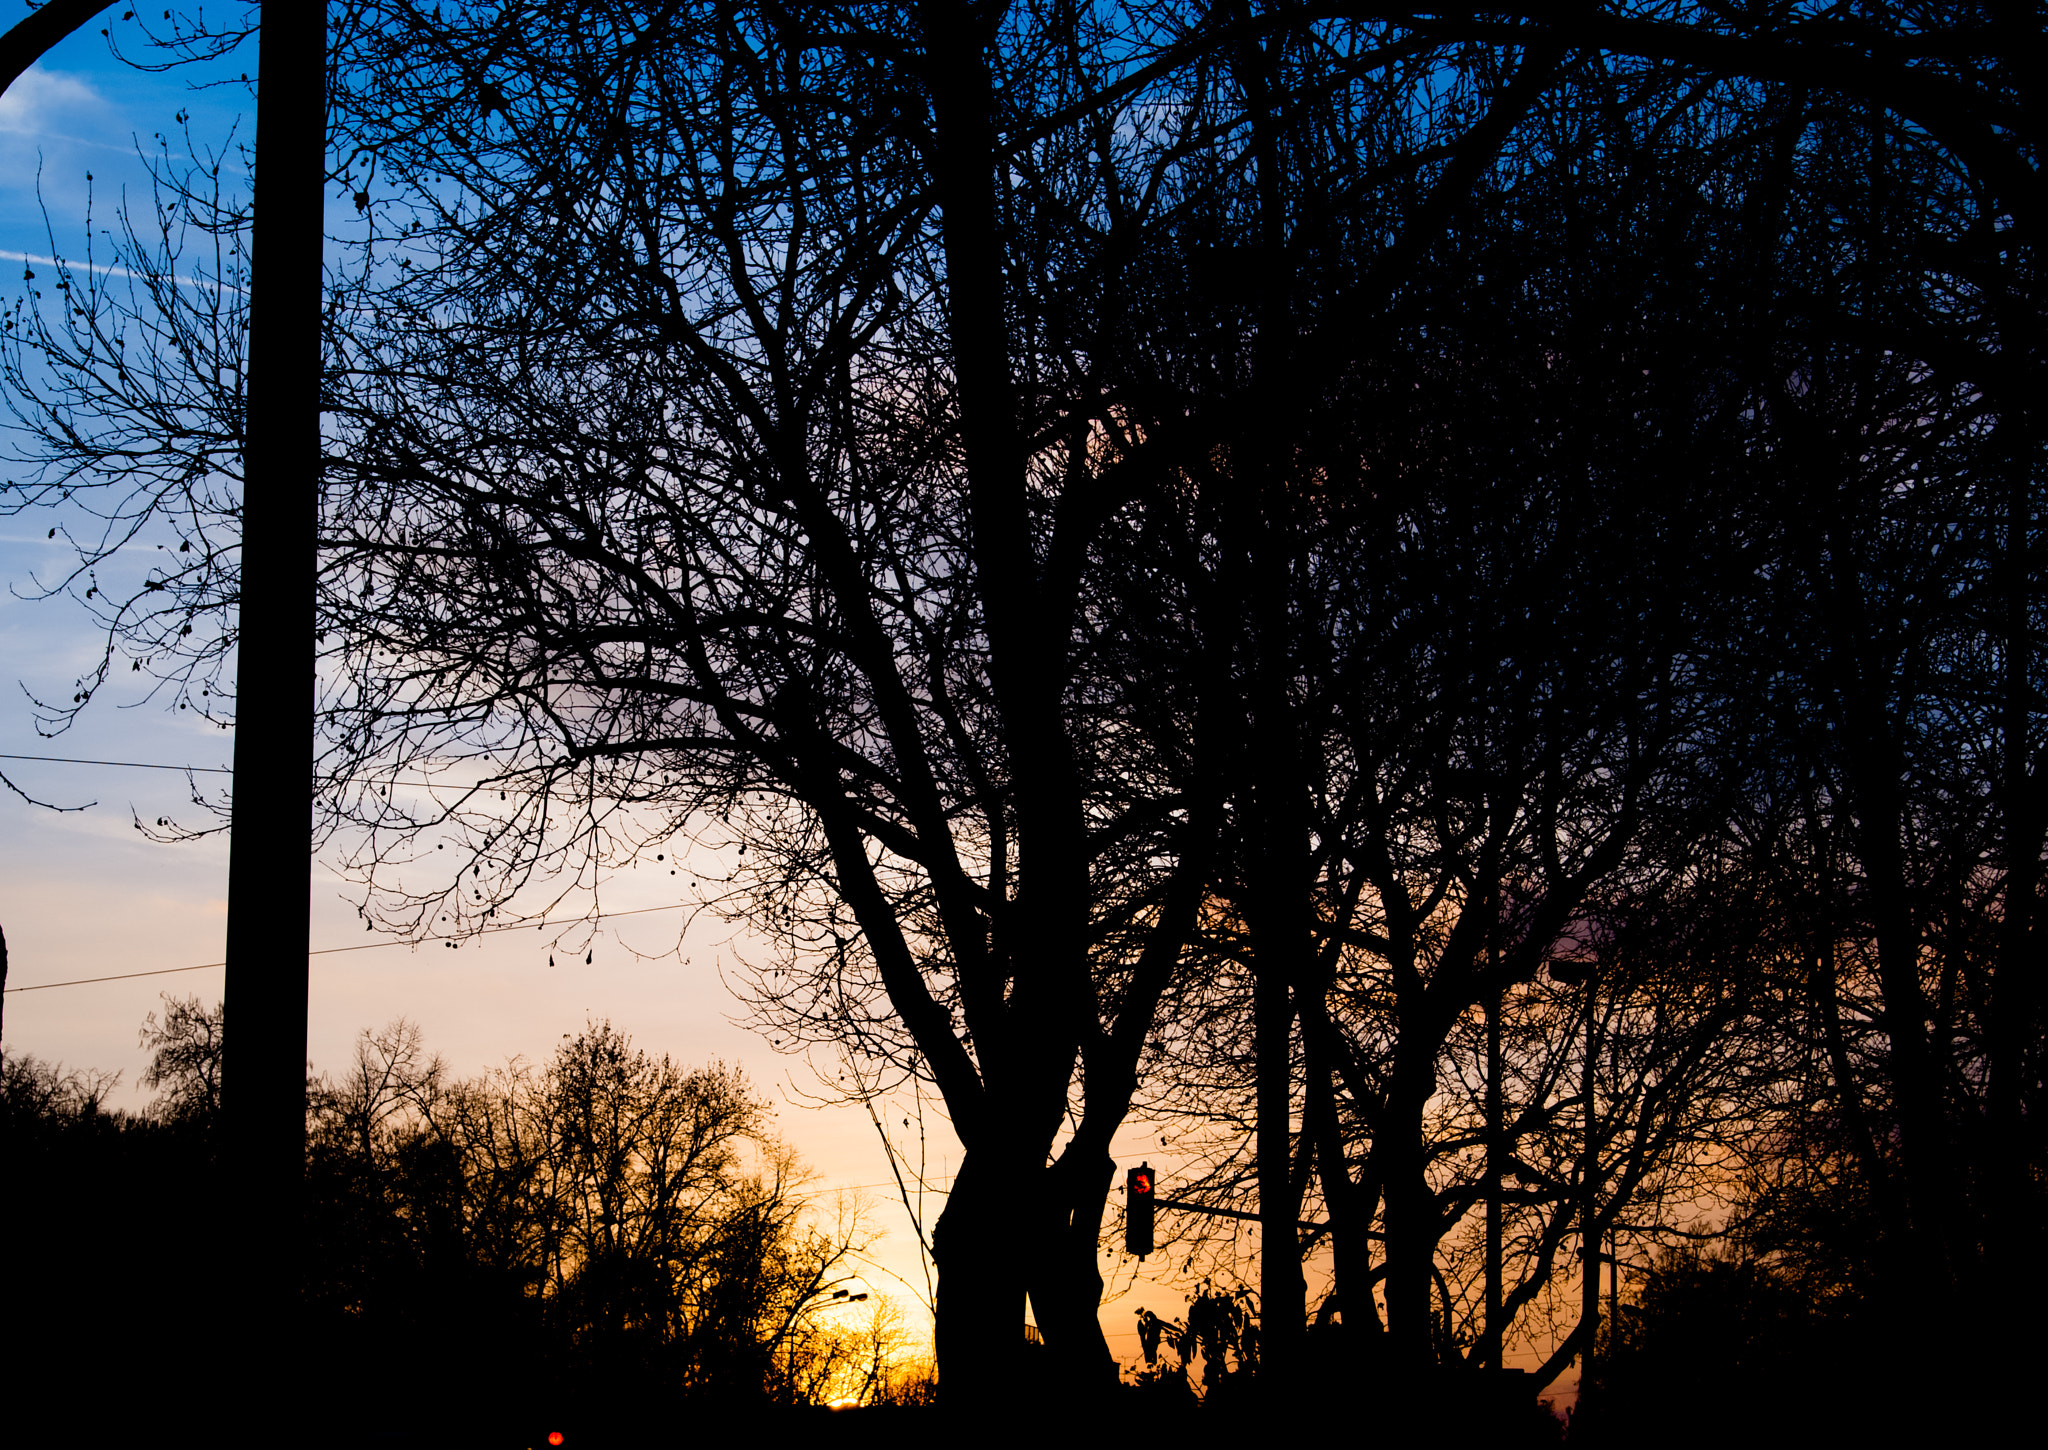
(105, 270)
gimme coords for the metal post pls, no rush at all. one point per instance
(1496, 1151)
(1613, 1281)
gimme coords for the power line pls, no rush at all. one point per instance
(124, 976)
(130, 764)
(225, 770)
(330, 951)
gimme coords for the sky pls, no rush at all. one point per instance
(83, 894)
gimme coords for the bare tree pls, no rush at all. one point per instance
(1909, 694)
(810, 478)
(610, 1219)
(185, 1060)
(783, 481)
(1493, 722)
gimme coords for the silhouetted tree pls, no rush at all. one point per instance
(1727, 1329)
(101, 1209)
(805, 475)
(185, 1061)
(602, 1228)
(1907, 686)
(1501, 732)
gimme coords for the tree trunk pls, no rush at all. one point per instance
(1411, 1209)
(1283, 1295)
(1911, 1068)
(2012, 1024)
(976, 1243)
(1278, 866)
(1066, 1275)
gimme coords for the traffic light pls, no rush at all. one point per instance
(1138, 1203)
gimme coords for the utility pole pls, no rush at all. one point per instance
(1496, 1153)
(263, 1086)
(264, 1076)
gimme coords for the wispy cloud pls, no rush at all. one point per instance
(37, 95)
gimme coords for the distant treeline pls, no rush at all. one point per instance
(606, 1228)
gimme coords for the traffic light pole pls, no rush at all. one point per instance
(1304, 1225)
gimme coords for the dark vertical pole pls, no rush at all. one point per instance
(1589, 1237)
(264, 1069)
(1613, 1281)
(1496, 1151)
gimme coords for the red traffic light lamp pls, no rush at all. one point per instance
(1140, 1198)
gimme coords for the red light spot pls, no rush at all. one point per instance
(554, 1437)
(1142, 1183)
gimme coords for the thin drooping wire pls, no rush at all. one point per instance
(330, 951)
(130, 764)
(203, 769)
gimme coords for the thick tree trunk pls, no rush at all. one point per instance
(1280, 875)
(2013, 1023)
(978, 1245)
(1411, 1210)
(1912, 1070)
(1278, 867)
(1005, 1230)
(1066, 1274)
(1283, 1295)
